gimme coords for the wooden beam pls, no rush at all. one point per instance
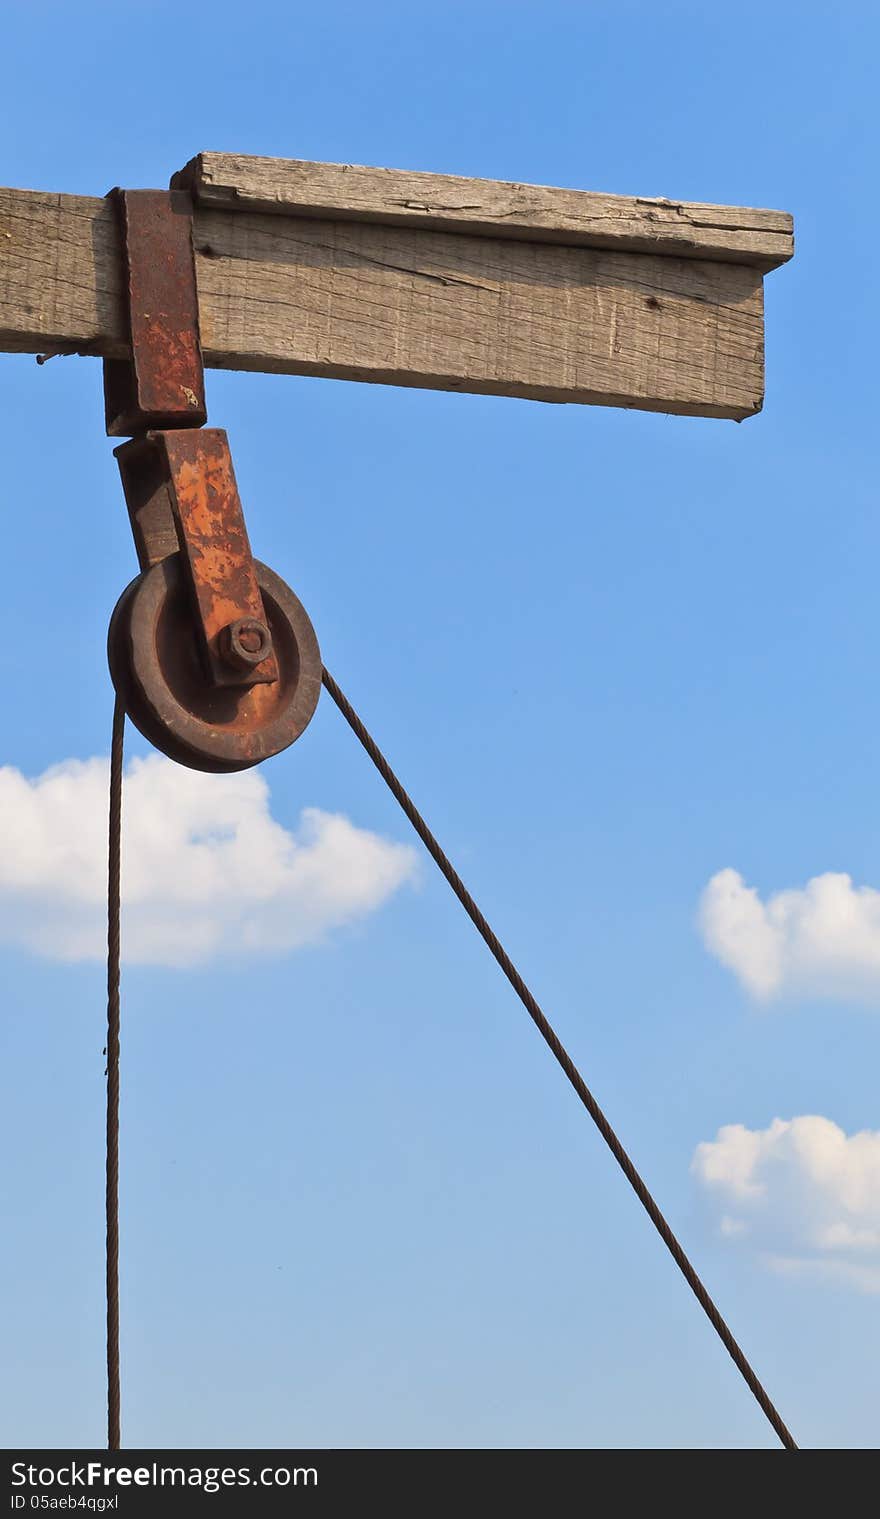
(360, 301)
(406, 305)
(490, 208)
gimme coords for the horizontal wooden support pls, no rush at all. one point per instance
(406, 305)
(490, 208)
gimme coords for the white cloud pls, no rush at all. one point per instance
(206, 870)
(821, 940)
(802, 1193)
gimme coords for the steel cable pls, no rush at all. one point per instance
(112, 1175)
(561, 1054)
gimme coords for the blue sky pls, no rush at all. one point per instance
(611, 654)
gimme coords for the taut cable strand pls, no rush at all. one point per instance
(551, 1039)
(112, 1195)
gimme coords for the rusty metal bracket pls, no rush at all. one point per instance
(212, 655)
(181, 493)
(163, 383)
(178, 478)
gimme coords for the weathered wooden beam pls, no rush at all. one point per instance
(354, 297)
(490, 208)
(359, 301)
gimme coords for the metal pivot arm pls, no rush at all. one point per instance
(181, 494)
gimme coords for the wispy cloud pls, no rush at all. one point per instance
(207, 871)
(802, 1194)
(819, 940)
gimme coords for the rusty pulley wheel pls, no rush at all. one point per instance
(157, 669)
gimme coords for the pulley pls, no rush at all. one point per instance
(213, 656)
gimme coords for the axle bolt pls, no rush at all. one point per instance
(245, 643)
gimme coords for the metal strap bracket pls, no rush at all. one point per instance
(163, 384)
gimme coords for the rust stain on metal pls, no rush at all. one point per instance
(163, 384)
(216, 551)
